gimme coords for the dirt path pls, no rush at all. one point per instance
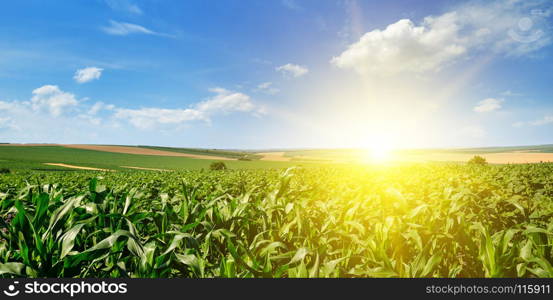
(273, 156)
(149, 169)
(143, 151)
(77, 167)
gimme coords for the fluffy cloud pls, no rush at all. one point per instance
(64, 113)
(267, 88)
(122, 28)
(87, 74)
(293, 70)
(50, 105)
(404, 47)
(149, 117)
(52, 99)
(488, 105)
(98, 106)
(27, 125)
(223, 102)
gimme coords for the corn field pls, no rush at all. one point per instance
(400, 221)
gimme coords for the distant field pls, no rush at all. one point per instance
(143, 151)
(215, 152)
(494, 158)
(36, 157)
(495, 155)
(157, 150)
(70, 157)
(521, 149)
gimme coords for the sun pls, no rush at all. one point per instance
(377, 151)
(379, 154)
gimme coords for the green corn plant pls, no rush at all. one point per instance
(410, 220)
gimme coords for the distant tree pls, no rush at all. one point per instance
(217, 165)
(4, 170)
(477, 160)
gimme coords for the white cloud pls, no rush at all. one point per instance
(488, 105)
(6, 105)
(149, 117)
(124, 5)
(267, 88)
(223, 102)
(123, 28)
(87, 74)
(98, 106)
(27, 125)
(52, 99)
(404, 47)
(294, 70)
(67, 117)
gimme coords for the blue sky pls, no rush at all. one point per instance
(277, 74)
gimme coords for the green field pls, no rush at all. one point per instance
(419, 220)
(270, 219)
(214, 152)
(34, 157)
